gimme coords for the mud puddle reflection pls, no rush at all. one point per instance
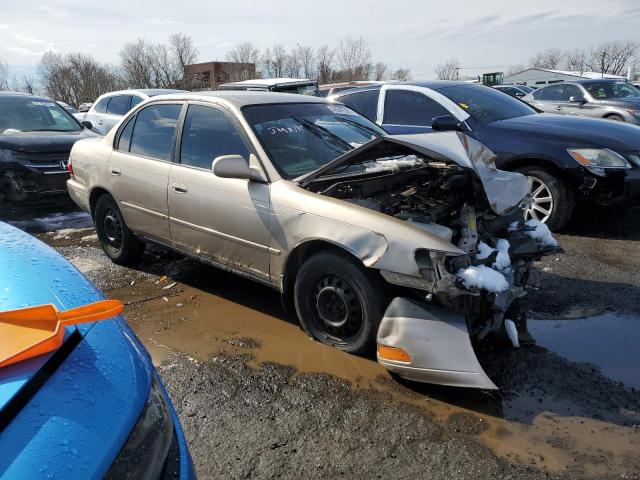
(610, 341)
(202, 312)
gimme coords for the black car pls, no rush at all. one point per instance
(569, 160)
(36, 136)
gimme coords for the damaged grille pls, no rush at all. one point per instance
(46, 163)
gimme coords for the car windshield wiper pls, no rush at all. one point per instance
(360, 126)
(322, 132)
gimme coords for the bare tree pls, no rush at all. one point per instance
(278, 60)
(76, 77)
(380, 71)
(4, 75)
(244, 52)
(550, 59)
(307, 61)
(612, 57)
(402, 74)
(27, 84)
(576, 60)
(183, 50)
(292, 67)
(324, 64)
(514, 69)
(448, 70)
(137, 64)
(354, 59)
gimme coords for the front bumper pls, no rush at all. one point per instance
(437, 342)
(612, 187)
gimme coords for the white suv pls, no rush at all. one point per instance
(109, 108)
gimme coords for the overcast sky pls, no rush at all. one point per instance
(418, 34)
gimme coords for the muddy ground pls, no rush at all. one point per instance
(258, 399)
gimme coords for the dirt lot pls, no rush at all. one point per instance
(259, 399)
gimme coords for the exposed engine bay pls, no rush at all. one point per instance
(449, 200)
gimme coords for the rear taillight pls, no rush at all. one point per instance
(70, 167)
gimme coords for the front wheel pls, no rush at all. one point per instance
(615, 118)
(339, 302)
(552, 200)
(118, 242)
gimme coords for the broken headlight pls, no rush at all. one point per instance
(434, 265)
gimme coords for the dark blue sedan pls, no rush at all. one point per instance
(94, 408)
(568, 160)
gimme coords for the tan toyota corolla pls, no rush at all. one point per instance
(414, 243)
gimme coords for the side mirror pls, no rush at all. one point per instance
(519, 94)
(235, 166)
(447, 123)
(87, 124)
(577, 100)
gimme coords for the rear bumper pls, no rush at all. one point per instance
(437, 342)
(79, 194)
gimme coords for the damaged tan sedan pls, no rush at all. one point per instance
(413, 243)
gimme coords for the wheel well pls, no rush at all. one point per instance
(93, 198)
(542, 164)
(613, 114)
(301, 253)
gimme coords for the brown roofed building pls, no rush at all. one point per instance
(208, 75)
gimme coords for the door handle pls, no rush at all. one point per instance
(558, 107)
(100, 122)
(179, 188)
(115, 171)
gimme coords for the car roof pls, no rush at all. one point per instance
(587, 81)
(270, 82)
(149, 92)
(241, 98)
(432, 84)
(22, 95)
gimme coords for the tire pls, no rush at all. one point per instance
(561, 205)
(118, 242)
(615, 118)
(339, 302)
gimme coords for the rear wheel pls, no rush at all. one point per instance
(339, 302)
(552, 200)
(118, 242)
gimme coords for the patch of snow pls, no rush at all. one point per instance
(503, 261)
(63, 233)
(483, 277)
(484, 251)
(393, 164)
(541, 234)
(54, 222)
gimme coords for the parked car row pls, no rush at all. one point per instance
(569, 160)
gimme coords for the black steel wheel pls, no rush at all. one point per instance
(118, 242)
(339, 302)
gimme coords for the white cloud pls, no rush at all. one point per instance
(159, 21)
(53, 11)
(30, 40)
(4, 26)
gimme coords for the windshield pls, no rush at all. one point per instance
(302, 137)
(26, 114)
(485, 104)
(605, 90)
(309, 89)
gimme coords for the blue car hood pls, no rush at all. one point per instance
(90, 397)
(584, 132)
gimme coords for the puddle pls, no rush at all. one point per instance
(53, 222)
(208, 311)
(610, 341)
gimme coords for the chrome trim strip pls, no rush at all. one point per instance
(144, 210)
(225, 236)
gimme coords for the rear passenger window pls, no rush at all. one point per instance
(135, 100)
(207, 134)
(119, 105)
(124, 142)
(365, 103)
(101, 106)
(551, 93)
(155, 131)
(404, 107)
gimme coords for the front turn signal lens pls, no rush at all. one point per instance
(393, 353)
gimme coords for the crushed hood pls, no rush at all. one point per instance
(504, 190)
(43, 142)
